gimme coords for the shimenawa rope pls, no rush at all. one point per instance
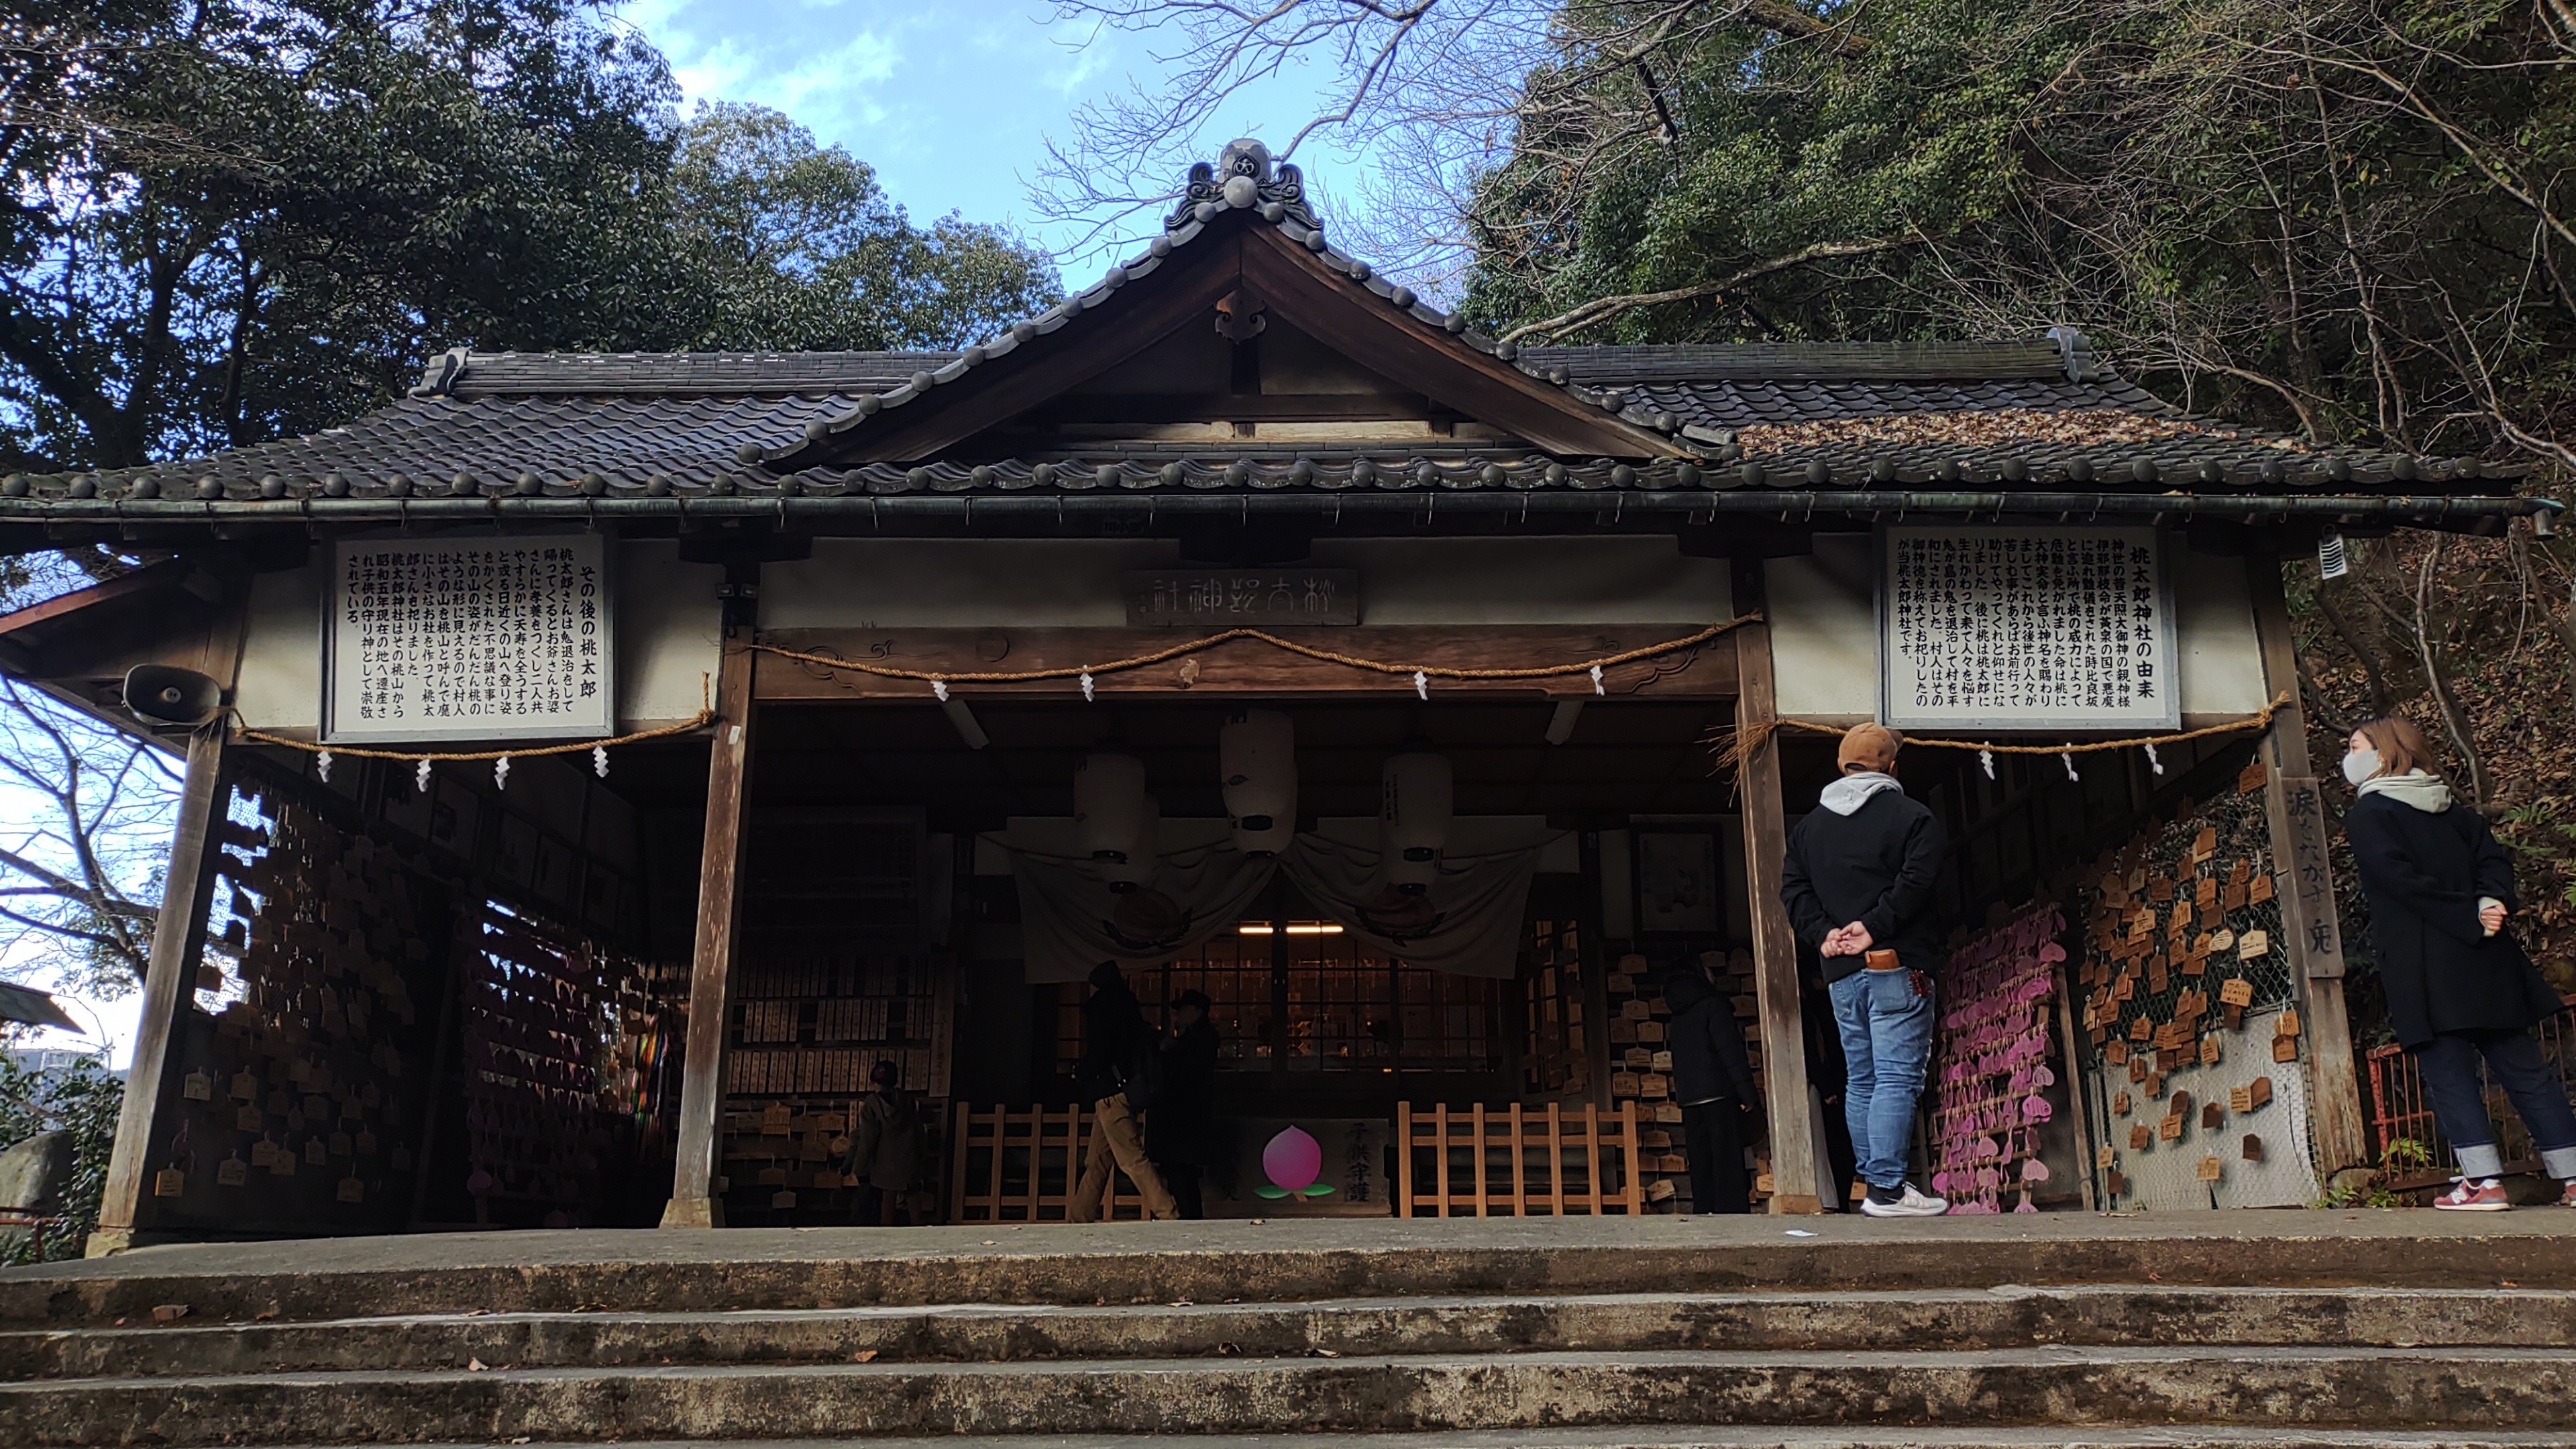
(1734, 744)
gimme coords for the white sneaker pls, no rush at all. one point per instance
(1913, 1203)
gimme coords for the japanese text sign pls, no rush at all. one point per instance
(1243, 598)
(2025, 628)
(468, 639)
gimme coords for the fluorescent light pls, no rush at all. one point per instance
(1320, 928)
(1252, 930)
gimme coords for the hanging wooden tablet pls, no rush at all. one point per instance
(2141, 1137)
(2259, 890)
(2212, 1116)
(2253, 1149)
(2259, 1091)
(231, 1172)
(2211, 1169)
(169, 1182)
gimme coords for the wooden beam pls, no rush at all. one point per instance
(1185, 289)
(1775, 944)
(2306, 888)
(695, 1202)
(1249, 667)
(169, 989)
(1342, 314)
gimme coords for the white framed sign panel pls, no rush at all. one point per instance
(2049, 629)
(466, 639)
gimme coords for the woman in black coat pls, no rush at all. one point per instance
(2459, 988)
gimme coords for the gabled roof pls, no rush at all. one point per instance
(1243, 226)
(1841, 425)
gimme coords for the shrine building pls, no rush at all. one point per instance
(597, 764)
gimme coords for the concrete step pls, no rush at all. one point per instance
(2141, 1315)
(2464, 1391)
(775, 1269)
(1653, 1436)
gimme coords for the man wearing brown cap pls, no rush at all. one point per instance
(1858, 884)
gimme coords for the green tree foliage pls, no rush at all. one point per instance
(229, 221)
(84, 1100)
(804, 250)
(2339, 217)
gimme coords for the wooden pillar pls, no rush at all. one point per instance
(169, 985)
(1775, 946)
(2313, 936)
(695, 1202)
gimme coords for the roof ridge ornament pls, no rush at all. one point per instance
(1243, 176)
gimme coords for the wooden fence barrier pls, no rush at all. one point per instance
(1517, 1162)
(1020, 1166)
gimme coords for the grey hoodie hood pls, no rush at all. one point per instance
(1852, 791)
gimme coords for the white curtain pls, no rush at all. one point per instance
(1070, 921)
(1468, 922)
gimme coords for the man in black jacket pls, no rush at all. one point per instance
(1118, 1053)
(1858, 884)
(1713, 1081)
(1180, 1130)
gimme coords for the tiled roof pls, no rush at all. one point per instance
(2042, 412)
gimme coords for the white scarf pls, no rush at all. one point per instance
(1852, 791)
(2416, 787)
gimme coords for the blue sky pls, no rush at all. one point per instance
(952, 101)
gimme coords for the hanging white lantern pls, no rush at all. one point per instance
(1415, 795)
(1257, 754)
(1108, 803)
(1135, 865)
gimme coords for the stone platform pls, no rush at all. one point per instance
(2281, 1328)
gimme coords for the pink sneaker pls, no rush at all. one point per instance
(2568, 1198)
(2467, 1196)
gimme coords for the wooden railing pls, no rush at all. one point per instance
(1517, 1161)
(1020, 1166)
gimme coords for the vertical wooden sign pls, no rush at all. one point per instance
(2307, 884)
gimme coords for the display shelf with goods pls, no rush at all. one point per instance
(839, 972)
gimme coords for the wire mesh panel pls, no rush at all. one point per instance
(2186, 1001)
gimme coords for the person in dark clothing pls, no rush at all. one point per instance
(1180, 1129)
(1857, 882)
(885, 1148)
(1713, 1081)
(1118, 1053)
(2440, 889)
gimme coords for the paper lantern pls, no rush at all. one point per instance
(1414, 799)
(1257, 754)
(1135, 863)
(1108, 805)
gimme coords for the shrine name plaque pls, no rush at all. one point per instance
(468, 639)
(2025, 629)
(1248, 598)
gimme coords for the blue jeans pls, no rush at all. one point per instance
(1886, 1023)
(2530, 1081)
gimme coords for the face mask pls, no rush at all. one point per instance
(2360, 765)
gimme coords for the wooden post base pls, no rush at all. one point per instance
(693, 1212)
(1796, 1204)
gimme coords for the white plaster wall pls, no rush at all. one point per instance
(670, 633)
(1824, 632)
(280, 687)
(895, 583)
(2222, 660)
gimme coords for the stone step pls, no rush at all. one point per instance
(649, 1271)
(1647, 1436)
(2467, 1391)
(2143, 1315)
